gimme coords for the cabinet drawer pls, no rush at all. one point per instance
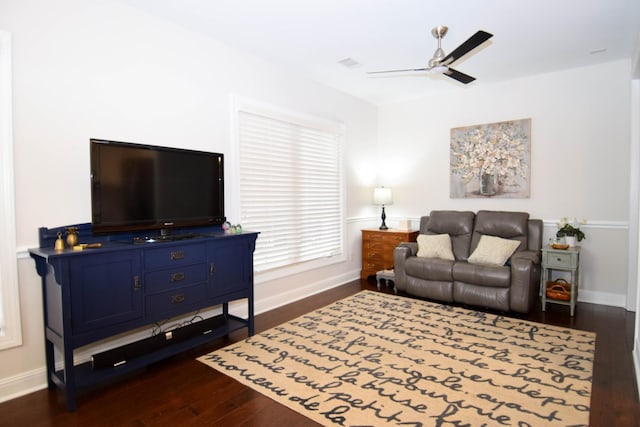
(373, 245)
(174, 255)
(162, 280)
(373, 254)
(176, 301)
(560, 259)
(372, 236)
(395, 240)
(373, 265)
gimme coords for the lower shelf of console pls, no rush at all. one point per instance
(87, 374)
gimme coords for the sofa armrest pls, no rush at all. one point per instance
(525, 280)
(413, 247)
(400, 254)
(533, 256)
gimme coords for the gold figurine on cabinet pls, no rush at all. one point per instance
(72, 236)
(59, 245)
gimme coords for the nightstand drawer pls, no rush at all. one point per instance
(373, 245)
(374, 255)
(395, 240)
(373, 265)
(557, 259)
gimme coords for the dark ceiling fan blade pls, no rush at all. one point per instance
(457, 75)
(472, 42)
(397, 71)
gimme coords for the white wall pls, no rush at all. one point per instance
(101, 69)
(580, 145)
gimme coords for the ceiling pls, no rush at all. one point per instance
(312, 36)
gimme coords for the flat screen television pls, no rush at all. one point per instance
(145, 187)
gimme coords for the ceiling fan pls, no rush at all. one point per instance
(440, 63)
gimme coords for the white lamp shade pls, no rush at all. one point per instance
(382, 196)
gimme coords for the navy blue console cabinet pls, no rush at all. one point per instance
(132, 281)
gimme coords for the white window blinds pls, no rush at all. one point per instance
(290, 178)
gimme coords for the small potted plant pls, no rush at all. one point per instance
(571, 231)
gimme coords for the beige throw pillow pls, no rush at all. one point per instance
(435, 246)
(493, 250)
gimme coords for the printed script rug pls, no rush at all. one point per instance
(379, 359)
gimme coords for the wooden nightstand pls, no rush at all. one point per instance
(564, 260)
(378, 246)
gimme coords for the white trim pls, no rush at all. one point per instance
(297, 293)
(620, 225)
(602, 298)
(11, 336)
(636, 363)
(635, 203)
(22, 384)
(634, 182)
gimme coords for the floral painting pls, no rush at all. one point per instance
(491, 160)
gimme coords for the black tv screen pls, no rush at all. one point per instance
(145, 187)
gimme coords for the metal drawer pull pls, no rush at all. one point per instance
(175, 255)
(136, 282)
(177, 277)
(212, 268)
(177, 299)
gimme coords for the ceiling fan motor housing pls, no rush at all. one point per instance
(439, 31)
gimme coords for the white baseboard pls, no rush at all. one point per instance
(25, 383)
(299, 293)
(602, 298)
(278, 300)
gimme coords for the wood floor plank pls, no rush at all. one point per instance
(182, 391)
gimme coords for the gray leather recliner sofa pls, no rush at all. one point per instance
(510, 287)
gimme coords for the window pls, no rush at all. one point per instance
(290, 184)
(10, 332)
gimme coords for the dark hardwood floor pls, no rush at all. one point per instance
(183, 392)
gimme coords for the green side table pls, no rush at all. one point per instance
(563, 260)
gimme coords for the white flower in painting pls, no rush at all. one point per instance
(499, 149)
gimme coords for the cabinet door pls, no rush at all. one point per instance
(230, 266)
(105, 289)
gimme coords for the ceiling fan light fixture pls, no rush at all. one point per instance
(438, 69)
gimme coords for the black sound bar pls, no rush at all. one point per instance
(119, 355)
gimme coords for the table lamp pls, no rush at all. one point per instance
(382, 196)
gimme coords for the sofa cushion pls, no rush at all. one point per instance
(429, 268)
(490, 297)
(493, 250)
(482, 275)
(508, 225)
(435, 246)
(457, 224)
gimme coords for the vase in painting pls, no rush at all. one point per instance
(488, 184)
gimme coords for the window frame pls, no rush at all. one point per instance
(11, 335)
(241, 104)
